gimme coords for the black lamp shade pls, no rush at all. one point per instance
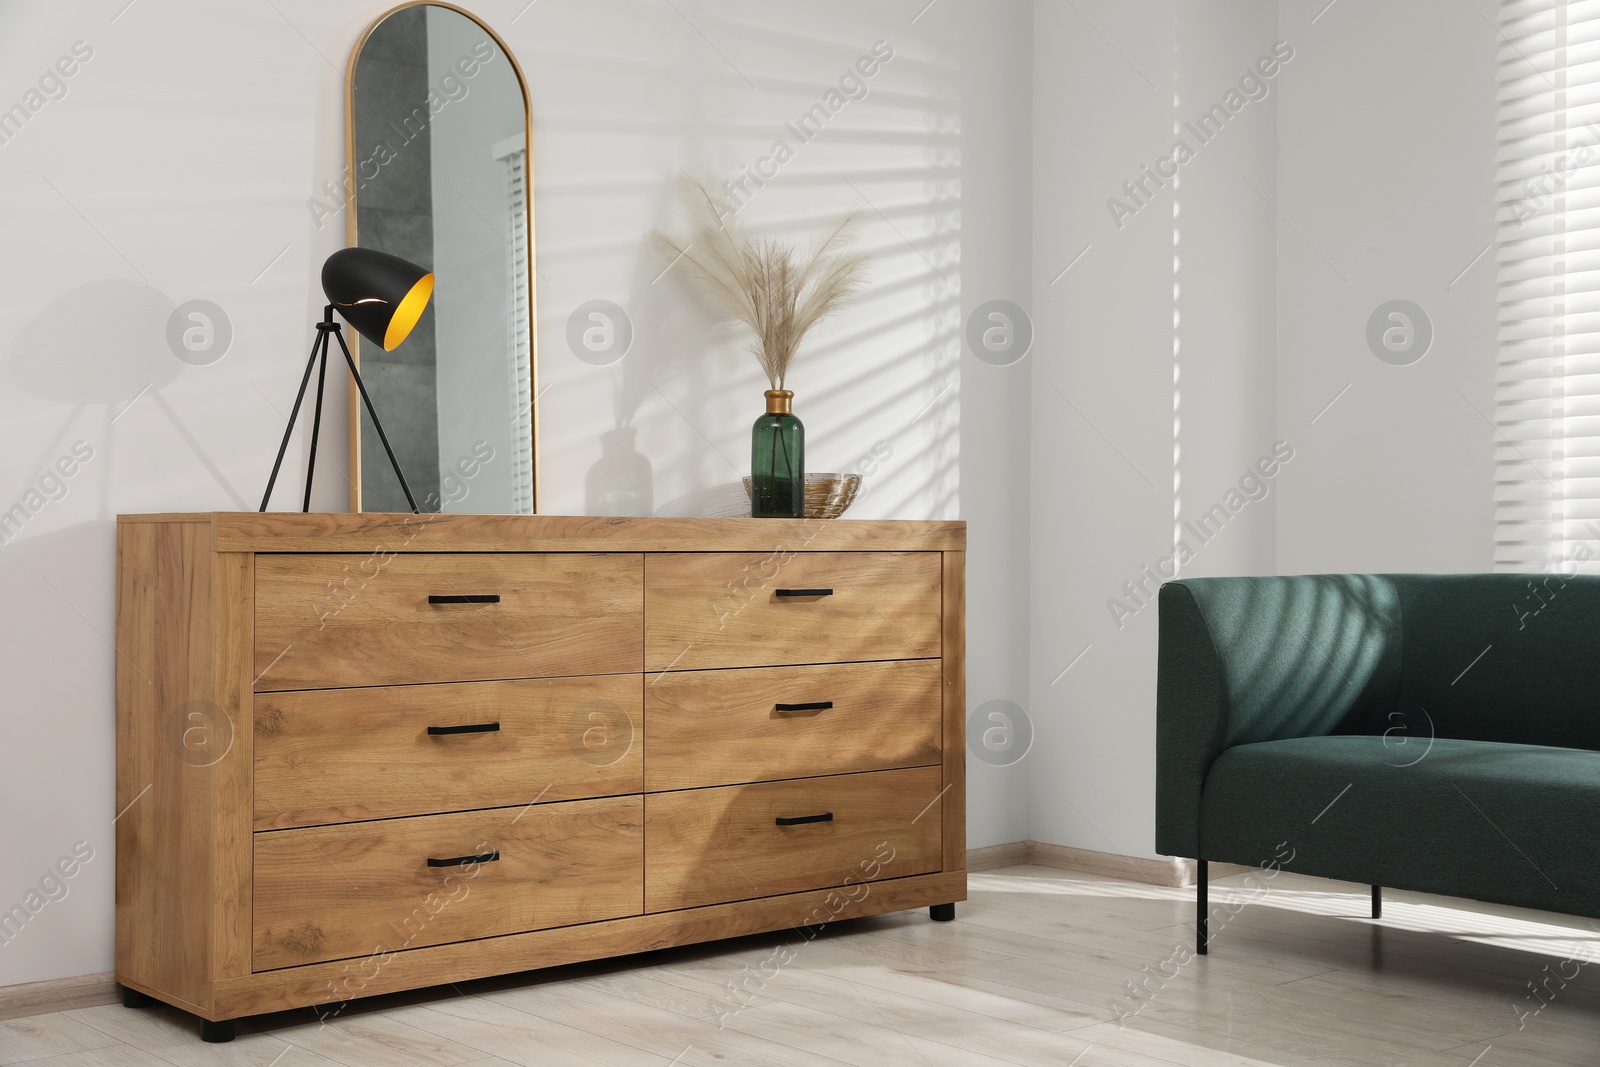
(381, 295)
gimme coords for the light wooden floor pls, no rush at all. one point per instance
(1027, 974)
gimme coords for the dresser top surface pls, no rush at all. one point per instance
(249, 531)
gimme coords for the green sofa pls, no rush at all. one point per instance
(1438, 733)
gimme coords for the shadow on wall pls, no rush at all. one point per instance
(104, 346)
(97, 348)
(100, 344)
(882, 378)
(622, 481)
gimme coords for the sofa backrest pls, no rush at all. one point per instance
(1503, 657)
(1302, 655)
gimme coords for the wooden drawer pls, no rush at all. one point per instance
(738, 609)
(721, 727)
(365, 889)
(324, 621)
(338, 755)
(706, 846)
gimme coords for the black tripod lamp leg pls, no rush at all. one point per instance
(377, 424)
(320, 344)
(316, 422)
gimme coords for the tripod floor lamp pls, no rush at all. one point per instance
(382, 296)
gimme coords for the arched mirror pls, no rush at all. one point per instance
(438, 139)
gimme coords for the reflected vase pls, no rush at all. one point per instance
(778, 460)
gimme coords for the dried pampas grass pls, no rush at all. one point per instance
(764, 284)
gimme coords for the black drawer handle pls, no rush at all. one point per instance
(465, 598)
(470, 728)
(815, 705)
(826, 816)
(462, 861)
(805, 592)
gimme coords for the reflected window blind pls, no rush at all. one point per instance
(1547, 385)
(519, 262)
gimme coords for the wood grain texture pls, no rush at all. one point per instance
(249, 531)
(724, 609)
(709, 846)
(223, 852)
(165, 831)
(228, 747)
(332, 983)
(954, 671)
(337, 755)
(335, 892)
(345, 620)
(724, 727)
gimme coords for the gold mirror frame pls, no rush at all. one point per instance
(352, 238)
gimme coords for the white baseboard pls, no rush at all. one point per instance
(1167, 873)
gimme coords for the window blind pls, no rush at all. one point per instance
(519, 261)
(1547, 385)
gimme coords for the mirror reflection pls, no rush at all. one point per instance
(438, 146)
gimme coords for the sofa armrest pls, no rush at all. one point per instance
(1191, 718)
(1262, 659)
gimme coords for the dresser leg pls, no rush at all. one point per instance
(132, 998)
(216, 1032)
(942, 913)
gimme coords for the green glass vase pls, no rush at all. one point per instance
(778, 461)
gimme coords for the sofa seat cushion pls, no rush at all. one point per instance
(1513, 824)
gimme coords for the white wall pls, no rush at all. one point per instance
(1101, 410)
(179, 166)
(1386, 167)
(1364, 175)
(996, 251)
(627, 95)
(1131, 430)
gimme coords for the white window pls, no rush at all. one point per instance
(1547, 391)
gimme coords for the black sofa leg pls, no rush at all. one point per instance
(1377, 902)
(132, 998)
(942, 913)
(216, 1032)
(1200, 912)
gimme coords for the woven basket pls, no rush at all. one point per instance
(828, 496)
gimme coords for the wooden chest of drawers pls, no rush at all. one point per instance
(365, 753)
